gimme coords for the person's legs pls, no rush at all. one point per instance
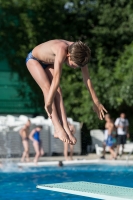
(26, 151)
(66, 151)
(112, 152)
(104, 152)
(71, 151)
(124, 138)
(122, 149)
(41, 149)
(37, 151)
(40, 76)
(60, 107)
(118, 144)
(118, 147)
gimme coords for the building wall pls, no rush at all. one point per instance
(10, 100)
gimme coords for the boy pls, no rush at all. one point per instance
(37, 144)
(24, 133)
(45, 65)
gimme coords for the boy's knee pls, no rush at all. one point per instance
(38, 153)
(26, 151)
(45, 88)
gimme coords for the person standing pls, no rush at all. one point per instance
(24, 133)
(109, 136)
(37, 143)
(122, 125)
(66, 145)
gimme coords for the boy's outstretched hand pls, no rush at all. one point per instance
(99, 109)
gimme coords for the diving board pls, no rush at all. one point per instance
(94, 190)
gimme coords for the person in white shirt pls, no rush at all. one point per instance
(122, 125)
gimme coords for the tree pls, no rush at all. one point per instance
(105, 25)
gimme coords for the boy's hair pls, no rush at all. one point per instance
(39, 126)
(80, 53)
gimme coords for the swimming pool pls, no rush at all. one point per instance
(22, 184)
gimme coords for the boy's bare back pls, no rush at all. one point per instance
(46, 51)
(24, 132)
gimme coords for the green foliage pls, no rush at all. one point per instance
(105, 25)
(123, 74)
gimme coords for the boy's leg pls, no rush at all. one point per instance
(27, 147)
(122, 148)
(118, 147)
(26, 151)
(41, 149)
(60, 107)
(104, 148)
(40, 76)
(37, 151)
(66, 151)
(112, 152)
(71, 151)
(23, 156)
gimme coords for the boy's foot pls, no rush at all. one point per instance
(55, 135)
(66, 159)
(72, 139)
(62, 136)
(71, 136)
(35, 161)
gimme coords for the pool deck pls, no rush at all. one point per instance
(80, 159)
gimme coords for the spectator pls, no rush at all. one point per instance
(122, 125)
(109, 137)
(24, 133)
(60, 164)
(66, 145)
(37, 143)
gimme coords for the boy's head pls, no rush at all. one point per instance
(79, 53)
(122, 115)
(39, 128)
(107, 117)
(28, 123)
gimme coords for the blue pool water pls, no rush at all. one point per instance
(21, 183)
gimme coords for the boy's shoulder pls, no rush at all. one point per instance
(59, 47)
(58, 43)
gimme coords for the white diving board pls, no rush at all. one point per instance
(94, 190)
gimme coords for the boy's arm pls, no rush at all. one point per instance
(117, 123)
(31, 135)
(21, 131)
(98, 107)
(110, 129)
(59, 59)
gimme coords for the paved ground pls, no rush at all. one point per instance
(61, 158)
